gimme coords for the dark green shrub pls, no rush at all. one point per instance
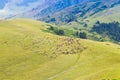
(83, 35)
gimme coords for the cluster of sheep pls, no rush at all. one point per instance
(53, 47)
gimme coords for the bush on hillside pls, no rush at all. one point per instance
(56, 30)
(82, 35)
(59, 32)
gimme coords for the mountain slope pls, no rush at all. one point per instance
(83, 10)
(28, 52)
(9, 8)
(109, 15)
(48, 8)
(66, 11)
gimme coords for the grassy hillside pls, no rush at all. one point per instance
(108, 15)
(29, 53)
(86, 25)
(82, 9)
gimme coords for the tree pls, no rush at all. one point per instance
(52, 20)
(59, 32)
(85, 25)
(98, 22)
(83, 35)
(51, 28)
(77, 33)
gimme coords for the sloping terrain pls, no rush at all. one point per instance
(108, 15)
(59, 11)
(83, 9)
(48, 7)
(9, 8)
(28, 52)
(66, 11)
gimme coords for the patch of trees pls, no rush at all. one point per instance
(56, 30)
(112, 29)
(50, 19)
(82, 35)
(59, 32)
(85, 25)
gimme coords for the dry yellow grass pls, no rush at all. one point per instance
(28, 53)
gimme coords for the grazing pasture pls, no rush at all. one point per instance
(29, 53)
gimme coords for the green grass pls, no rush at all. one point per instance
(108, 15)
(105, 16)
(29, 53)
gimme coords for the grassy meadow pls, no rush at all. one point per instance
(27, 52)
